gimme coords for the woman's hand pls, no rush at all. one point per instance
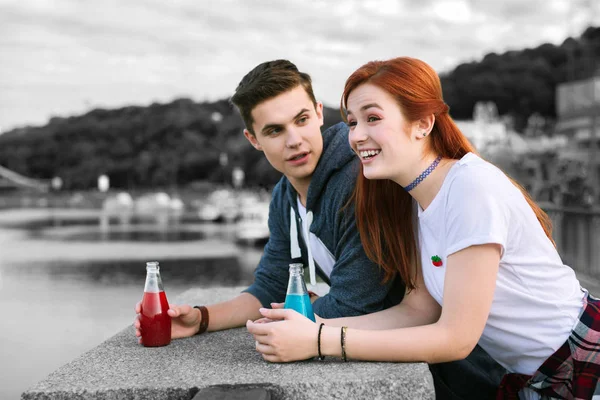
(274, 306)
(290, 337)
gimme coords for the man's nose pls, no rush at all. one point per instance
(293, 139)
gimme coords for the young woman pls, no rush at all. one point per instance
(485, 267)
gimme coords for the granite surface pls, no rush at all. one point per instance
(222, 365)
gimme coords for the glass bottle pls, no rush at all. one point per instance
(297, 295)
(155, 322)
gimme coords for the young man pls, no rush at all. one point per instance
(311, 222)
(308, 220)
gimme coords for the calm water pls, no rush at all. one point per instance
(66, 285)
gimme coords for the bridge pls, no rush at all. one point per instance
(11, 179)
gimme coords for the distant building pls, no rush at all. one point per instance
(489, 133)
(523, 157)
(486, 130)
(578, 113)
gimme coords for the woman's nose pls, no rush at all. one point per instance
(356, 135)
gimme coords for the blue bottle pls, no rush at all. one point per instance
(297, 295)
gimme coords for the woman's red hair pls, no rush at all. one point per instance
(384, 210)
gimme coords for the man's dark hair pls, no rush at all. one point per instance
(266, 81)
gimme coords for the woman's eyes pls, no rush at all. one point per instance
(370, 118)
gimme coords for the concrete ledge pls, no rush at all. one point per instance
(212, 365)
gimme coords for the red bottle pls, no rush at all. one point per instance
(155, 322)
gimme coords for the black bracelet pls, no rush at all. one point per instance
(321, 357)
(343, 340)
(203, 319)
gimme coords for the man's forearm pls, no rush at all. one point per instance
(233, 313)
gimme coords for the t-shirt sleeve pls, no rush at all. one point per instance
(477, 211)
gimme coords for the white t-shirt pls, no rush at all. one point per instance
(537, 299)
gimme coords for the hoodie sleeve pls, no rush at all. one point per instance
(356, 283)
(271, 274)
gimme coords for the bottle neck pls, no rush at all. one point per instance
(296, 283)
(153, 281)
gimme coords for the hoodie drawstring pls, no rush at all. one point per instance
(295, 247)
(311, 262)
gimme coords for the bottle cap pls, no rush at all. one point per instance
(152, 265)
(296, 266)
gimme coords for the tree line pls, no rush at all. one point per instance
(183, 142)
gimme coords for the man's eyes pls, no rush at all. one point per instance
(275, 131)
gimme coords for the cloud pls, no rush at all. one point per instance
(65, 57)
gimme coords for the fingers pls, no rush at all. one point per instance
(271, 358)
(175, 311)
(258, 329)
(277, 314)
(277, 306)
(138, 307)
(263, 321)
(264, 349)
(137, 325)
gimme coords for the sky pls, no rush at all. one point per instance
(65, 57)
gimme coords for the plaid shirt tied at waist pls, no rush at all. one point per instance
(570, 373)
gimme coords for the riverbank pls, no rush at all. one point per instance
(63, 297)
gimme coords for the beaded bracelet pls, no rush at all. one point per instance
(204, 319)
(321, 357)
(343, 340)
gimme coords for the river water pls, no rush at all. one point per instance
(67, 286)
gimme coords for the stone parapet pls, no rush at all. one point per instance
(221, 365)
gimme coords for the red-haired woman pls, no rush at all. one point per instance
(475, 251)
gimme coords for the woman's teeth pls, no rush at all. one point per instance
(369, 153)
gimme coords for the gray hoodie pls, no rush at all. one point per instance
(356, 285)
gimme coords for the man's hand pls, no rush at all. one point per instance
(185, 321)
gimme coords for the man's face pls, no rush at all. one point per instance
(288, 130)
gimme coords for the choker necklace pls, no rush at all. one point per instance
(424, 174)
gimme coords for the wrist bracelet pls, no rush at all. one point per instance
(321, 357)
(204, 319)
(343, 340)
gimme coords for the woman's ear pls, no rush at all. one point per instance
(424, 126)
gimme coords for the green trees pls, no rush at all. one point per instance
(162, 145)
(522, 83)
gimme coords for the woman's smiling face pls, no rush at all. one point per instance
(384, 140)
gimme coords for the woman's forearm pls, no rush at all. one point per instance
(399, 316)
(432, 343)
(416, 309)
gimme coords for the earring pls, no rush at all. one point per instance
(424, 133)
